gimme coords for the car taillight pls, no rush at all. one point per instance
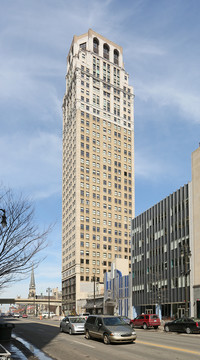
(197, 324)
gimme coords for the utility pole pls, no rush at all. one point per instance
(34, 305)
(94, 296)
(49, 292)
(185, 254)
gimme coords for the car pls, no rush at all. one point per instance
(52, 314)
(16, 315)
(184, 324)
(84, 315)
(146, 321)
(125, 319)
(72, 325)
(46, 315)
(24, 316)
(110, 329)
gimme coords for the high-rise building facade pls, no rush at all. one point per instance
(166, 250)
(160, 237)
(98, 165)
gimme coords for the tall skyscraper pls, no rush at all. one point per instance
(98, 165)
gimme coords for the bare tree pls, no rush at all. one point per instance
(20, 240)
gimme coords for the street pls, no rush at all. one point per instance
(150, 344)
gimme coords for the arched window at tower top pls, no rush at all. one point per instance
(106, 50)
(116, 57)
(96, 45)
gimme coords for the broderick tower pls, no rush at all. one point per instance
(98, 165)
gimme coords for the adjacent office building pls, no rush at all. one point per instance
(166, 251)
(98, 165)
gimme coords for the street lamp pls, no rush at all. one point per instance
(3, 218)
(94, 279)
(185, 254)
(49, 292)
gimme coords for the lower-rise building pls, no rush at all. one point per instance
(117, 289)
(165, 253)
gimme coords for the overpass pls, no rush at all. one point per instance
(34, 302)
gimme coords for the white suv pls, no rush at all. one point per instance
(16, 315)
(46, 315)
(85, 315)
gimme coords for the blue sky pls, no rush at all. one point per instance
(160, 41)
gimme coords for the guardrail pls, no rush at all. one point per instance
(4, 354)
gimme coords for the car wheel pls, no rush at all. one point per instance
(166, 328)
(144, 326)
(70, 331)
(188, 330)
(61, 330)
(87, 335)
(156, 327)
(106, 339)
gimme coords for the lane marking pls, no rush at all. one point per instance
(168, 347)
(93, 347)
(137, 341)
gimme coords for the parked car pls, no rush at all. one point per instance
(125, 319)
(109, 329)
(184, 324)
(16, 315)
(146, 321)
(24, 316)
(84, 315)
(72, 325)
(45, 315)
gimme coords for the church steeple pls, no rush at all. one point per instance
(32, 289)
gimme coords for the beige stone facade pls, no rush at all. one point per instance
(98, 165)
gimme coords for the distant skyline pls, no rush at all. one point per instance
(161, 54)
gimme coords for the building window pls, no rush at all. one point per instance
(83, 46)
(116, 57)
(96, 45)
(106, 50)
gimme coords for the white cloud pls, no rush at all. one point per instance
(147, 166)
(168, 93)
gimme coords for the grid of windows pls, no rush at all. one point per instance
(97, 160)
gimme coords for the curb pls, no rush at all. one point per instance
(26, 352)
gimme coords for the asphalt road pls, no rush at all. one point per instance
(150, 344)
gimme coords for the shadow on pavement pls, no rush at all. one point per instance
(29, 336)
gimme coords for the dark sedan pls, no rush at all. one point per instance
(187, 325)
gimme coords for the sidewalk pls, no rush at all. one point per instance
(18, 350)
